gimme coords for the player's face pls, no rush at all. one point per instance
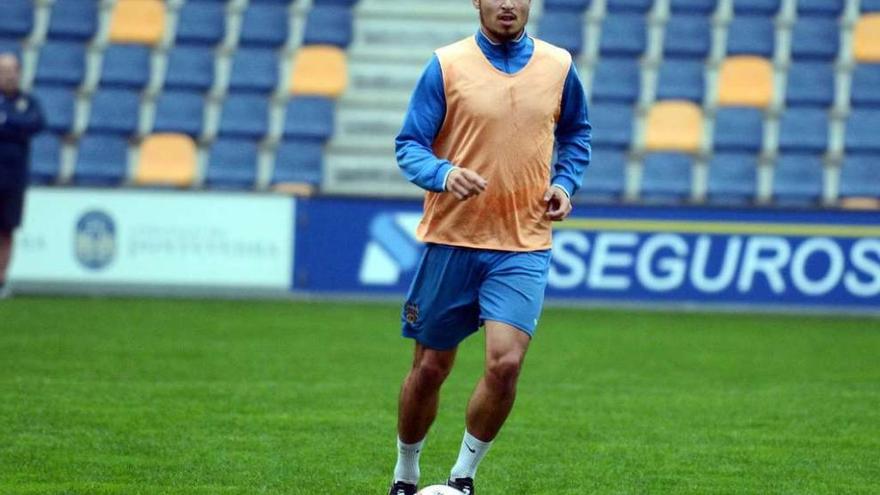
(503, 20)
(8, 74)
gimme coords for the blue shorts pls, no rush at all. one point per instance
(456, 289)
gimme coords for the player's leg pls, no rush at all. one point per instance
(10, 217)
(5, 254)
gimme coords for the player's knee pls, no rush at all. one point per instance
(431, 373)
(503, 371)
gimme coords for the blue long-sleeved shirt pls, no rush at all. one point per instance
(427, 110)
(20, 118)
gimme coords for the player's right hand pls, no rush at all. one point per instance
(464, 183)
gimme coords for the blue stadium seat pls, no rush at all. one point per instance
(254, 69)
(329, 25)
(870, 5)
(732, 178)
(797, 178)
(804, 129)
(639, 6)
(612, 124)
(564, 29)
(232, 164)
(756, 7)
(61, 63)
(345, 3)
(860, 176)
(114, 111)
(126, 66)
(738, 129)
(810, 83)
(179, 111)
(681, 80)
(10, 46)
(57, 103)
(753, 35)
(815, 38)
(265, 25)
(616, 80)
(829, 8)
(201, 22)
(666, 177)
(245, 115)
(688, 36)
(102, 160)
(866, 85)
(74, 19)
(299, 160)
(190, 67)
(604, 179)
(45, 158)
(17, 19)
(569, 5)
(693, 6)
(310, 117)
(623, 35)
(861, 130)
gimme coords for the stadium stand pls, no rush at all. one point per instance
(101, 160)
(45, 158)
(140, 21)
(74, 20)
(674, 126)
(17, 20)
(605, 177)
(745, 81)
(732, 178)
(797, 179)
(319, 70)
(166, 159)
(233, 164)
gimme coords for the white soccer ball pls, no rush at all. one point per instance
(439, 490)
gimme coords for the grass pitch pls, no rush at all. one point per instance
(217, 397)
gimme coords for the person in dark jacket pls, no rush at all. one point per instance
(20, 118)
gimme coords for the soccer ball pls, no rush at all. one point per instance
(439, 490)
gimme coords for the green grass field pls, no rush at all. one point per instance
(216, 397)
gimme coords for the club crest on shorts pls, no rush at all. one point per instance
(411, 312)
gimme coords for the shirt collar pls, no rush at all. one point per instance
(505, 48)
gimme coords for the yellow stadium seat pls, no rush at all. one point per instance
(866, 39)
(167, 160)
(746, 81)
(319, 70)
(674, 126)
(137, 21)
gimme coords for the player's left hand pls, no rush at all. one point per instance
(558, 204)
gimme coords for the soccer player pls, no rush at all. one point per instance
(20, 118)
(479, 136)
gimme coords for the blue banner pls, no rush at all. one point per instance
(633, 254)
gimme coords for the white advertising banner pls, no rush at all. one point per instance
(159, 238)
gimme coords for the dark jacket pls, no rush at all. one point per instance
(20, 118)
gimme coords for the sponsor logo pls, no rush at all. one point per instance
(392, 249)
(95, 240)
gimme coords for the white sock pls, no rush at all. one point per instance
(472, 452)
(407, 468)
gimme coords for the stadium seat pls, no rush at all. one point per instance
(232, 164)
(674, 126)
(564, 29)
(45, 158)
(666, 177)
(254, 69)
(827, 8)
(688, 36)
(61, 63)
(861, 130)
(570, 5)
(201, 23)
(329, 25)
(310, 117)
(745, 80)
(190, 67)
(804, 130)
(810, 83)
(752, 35)
(637, 6)
(126, 66)
(102, 159)
(344, 3)
(860, 176)
(797, 178)
(756, 7)
(732, 178)
(179, 112)
(17, 19)
(10, 46)
(245, 115)
(605, 177)
(738, 129)
(57, 103)
(166, 160)
(866, 85)
(704, 7)
(137, 21)
(681, 80)
(869, 5)
(616, 80)
(612, 124)
(264, 25)
(319, 70)
(298, 161)
(114, 111)
(73, 19)
(815, 38)
(866, 39)
(623, 35)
